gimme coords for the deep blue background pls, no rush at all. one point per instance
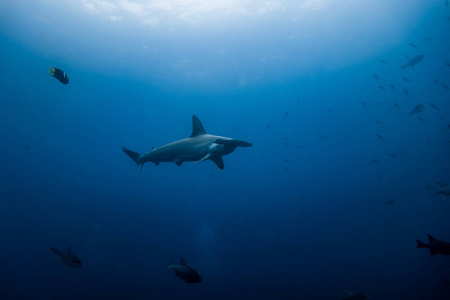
(299, 215)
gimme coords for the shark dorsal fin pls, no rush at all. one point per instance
(431, 239)
(197, 127)
(182, 262)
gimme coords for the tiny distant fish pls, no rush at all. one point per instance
(441, 118)
(448, 127)
(285, 115)
(185, 272)
(383, 61)
(392, 87)
(445, 86)
(379, 176)
(389, 202)
(379, 123)
(426, 39)
(376, 77)
(364, 104)
(447, 63)
(419, 108)
(412, 45)
(286, 160)
(329, 109)
(436, 81)
(375, 161)
(68, 257)
(269, 125)
(406, 79)
(298, 101)
(27, 147)
(381, 87)
(429, 140)
(396, 105)
(286, 144)
(433, 105)
(380, 137)
(421, 119)
(58, 74)
(406, 92)
(393, 155)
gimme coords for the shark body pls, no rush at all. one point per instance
(198, 147)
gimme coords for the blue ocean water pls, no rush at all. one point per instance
(315, 85)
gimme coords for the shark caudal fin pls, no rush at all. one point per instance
(136, 157)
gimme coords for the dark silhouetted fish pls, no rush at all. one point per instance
(412, 45)
(68, 257)
(436, 246)
(379, 123)
(380, 137)
(406, 79)
(376, 77)
(445, 86)
(444, 189)
(285, 115)
(355, 296)
(383, 61)
(364, 104)
(396, 105)
(392, 87)
(393, 155)
(413, 61)
(406, 92)
(389, 202)
(419, 108)
(375, 161)
(59, 74)
(381, 87)
(433, 105)
(185, 272)
(447, 63)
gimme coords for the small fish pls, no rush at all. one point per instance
(392, 87)
(436, 81)
(421, 119)
(269, 125)
(298, 101)
(285, 115)
(436, 246)
(286, 160)
(442, 117)
(286, 144)
(329, 109)
(380, 137)
(376, 77)
(364, 104)
(413, 61)
(429, 140)
(412, 45)
(185, 272)
(393, 155)
(379, 123)
(447, 63)
(389, 202)
(68, 257)
(419, 108)
(381, 87)
(383, 61)
(433, 105)
(406, 92)
(426, 39)
(448, 127)
(446, 86)
(396, 105)
(406, 79)
(375, 161)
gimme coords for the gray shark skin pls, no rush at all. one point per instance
(185, 272)
(413, 61)
(68, 257)
(436, 246)
(198, 147)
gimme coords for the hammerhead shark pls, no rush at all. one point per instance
(198, 147)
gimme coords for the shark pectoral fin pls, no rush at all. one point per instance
(207, 156)
(218, 161)
(236, 143)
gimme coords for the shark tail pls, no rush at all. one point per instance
(136, 157)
